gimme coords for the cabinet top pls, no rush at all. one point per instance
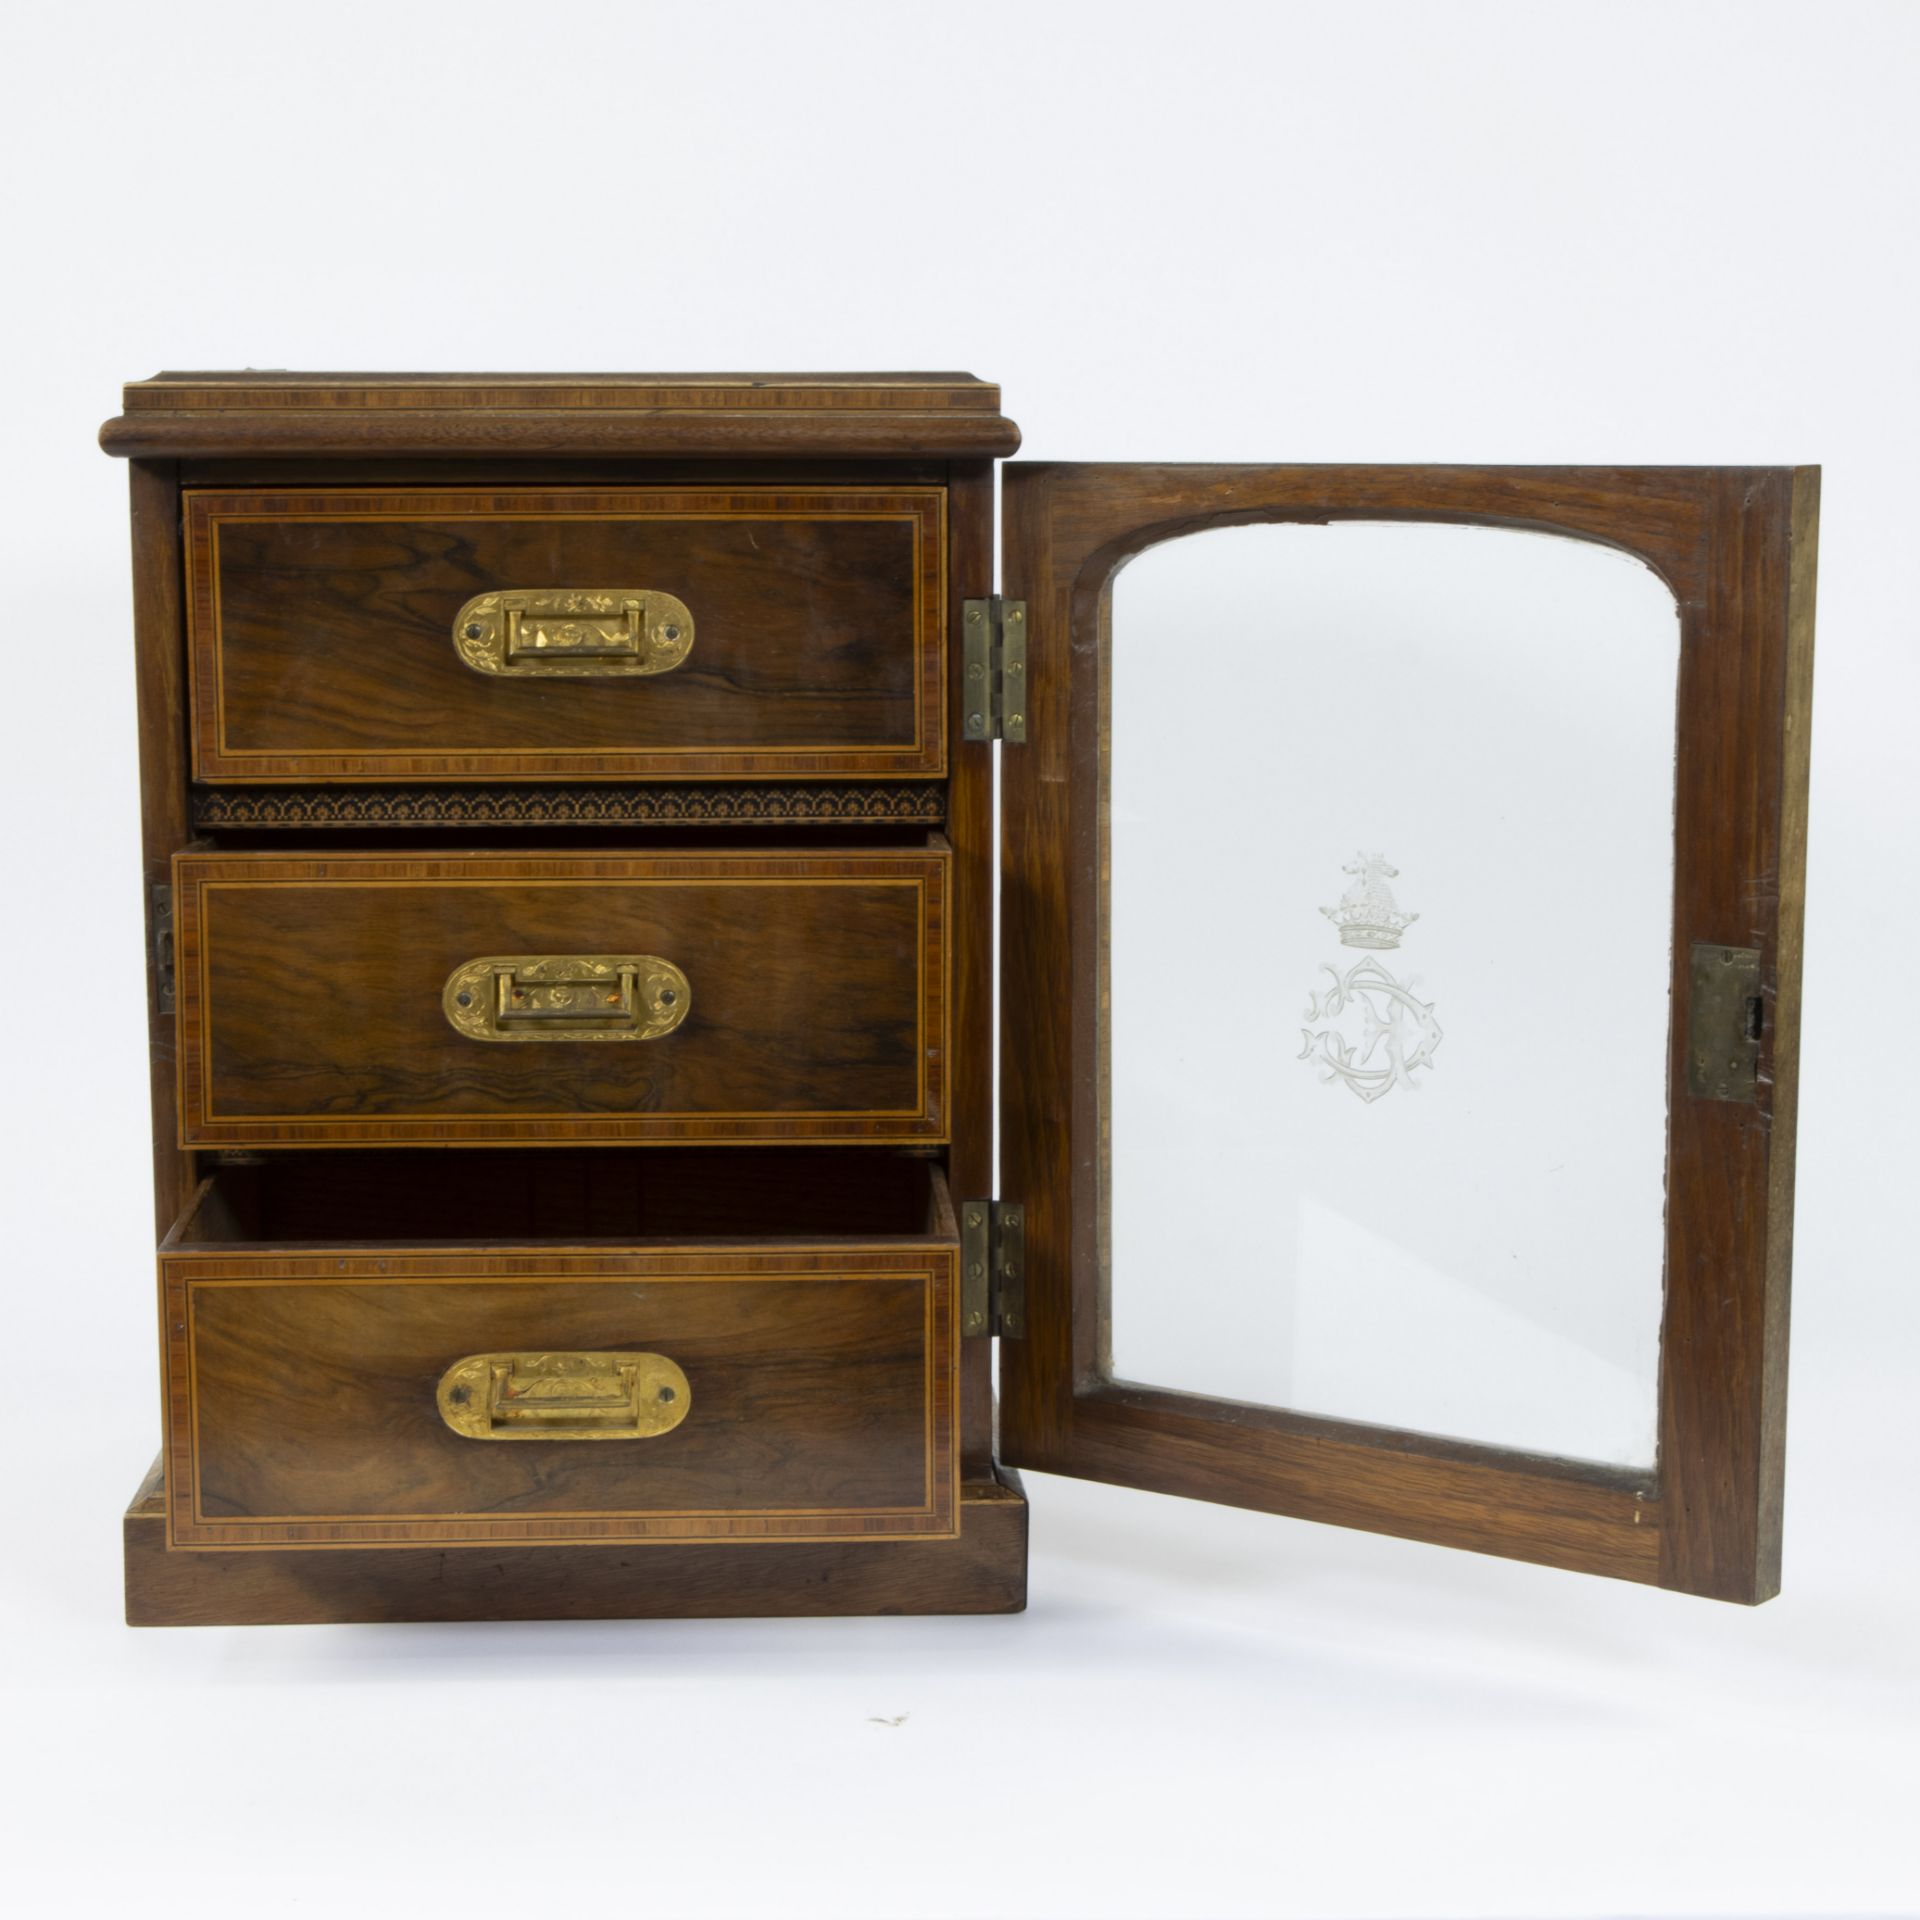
(189, 415)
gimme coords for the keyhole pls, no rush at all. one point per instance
(1756, 1011)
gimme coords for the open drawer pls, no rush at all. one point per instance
(391, 1350)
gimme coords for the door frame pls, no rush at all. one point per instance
(1737, 548)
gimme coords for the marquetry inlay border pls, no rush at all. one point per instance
(920, 510)
(254, 809)
(188, 1271)
(200, 877)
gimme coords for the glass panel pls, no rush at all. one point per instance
(1390, 898)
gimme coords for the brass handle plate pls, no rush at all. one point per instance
(573, 633)
(563, 1396)
(566, 996)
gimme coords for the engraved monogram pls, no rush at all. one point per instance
(1399, 1033)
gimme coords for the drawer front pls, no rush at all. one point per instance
(373, 999)
(320, 1399)
(566, 634)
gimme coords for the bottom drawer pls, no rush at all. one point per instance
(590, 1360)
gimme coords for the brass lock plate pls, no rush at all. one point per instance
(575, 633)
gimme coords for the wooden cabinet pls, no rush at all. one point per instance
(572, 864)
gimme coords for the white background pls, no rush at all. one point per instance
(1538, 232)
(1477, 1253)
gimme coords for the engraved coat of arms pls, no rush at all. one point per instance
(1397, 1034)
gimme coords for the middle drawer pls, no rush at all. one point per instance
(480, 999)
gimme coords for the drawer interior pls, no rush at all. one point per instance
(567, 1195)
(473, 1350)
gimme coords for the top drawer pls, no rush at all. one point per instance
(570, 633)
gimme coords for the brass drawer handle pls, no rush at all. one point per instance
(577, 633)
(566, 996)
(563, 1396)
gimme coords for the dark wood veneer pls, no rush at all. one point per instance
(303, 1414)
(160, 687)
(321, 624)
(362, 417)
(983, 1570)
(310, 997)
(311, 1303)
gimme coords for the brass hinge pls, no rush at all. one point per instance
(993, 665)
(993, 1269)
(160, 920)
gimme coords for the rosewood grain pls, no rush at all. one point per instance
(321, 627)
(301, 1394)
(812, 395)
(1746, 682)
(983, 1570)
(311, 1014)
(1736, 547)
(159, 626)
(368, 417)
(970, 833)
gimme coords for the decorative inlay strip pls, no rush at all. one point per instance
(764, 393)
(919, 803)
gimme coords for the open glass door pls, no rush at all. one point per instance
(1401, 900)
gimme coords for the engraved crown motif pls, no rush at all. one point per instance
(1367, 915)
